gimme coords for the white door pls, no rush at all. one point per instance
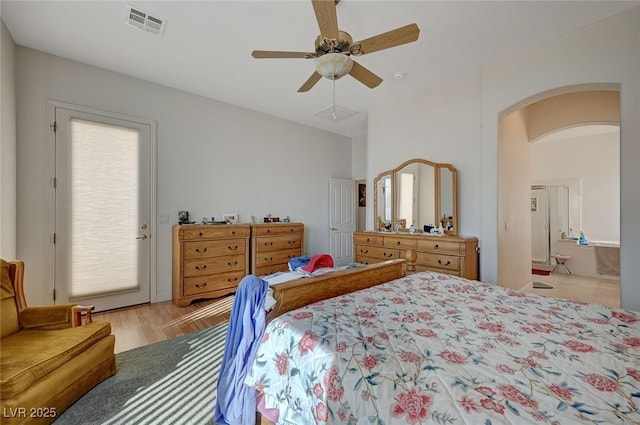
(342, 223)
(103, 209)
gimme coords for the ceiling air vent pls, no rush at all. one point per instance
(142, 20)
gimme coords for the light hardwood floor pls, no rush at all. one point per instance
(148, 323)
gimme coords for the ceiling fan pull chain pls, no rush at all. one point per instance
(333, 113)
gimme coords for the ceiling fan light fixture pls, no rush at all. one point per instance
(333, 65)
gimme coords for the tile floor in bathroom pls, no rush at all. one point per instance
(578, 288)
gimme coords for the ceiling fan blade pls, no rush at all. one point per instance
(269, 54)
(365, 76)
(315, 77)
(393, 38)
(327, 17)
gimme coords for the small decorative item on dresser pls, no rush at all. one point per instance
(230, 218)
(183, 217)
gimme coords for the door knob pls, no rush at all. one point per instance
(143, 237)
(334, 229)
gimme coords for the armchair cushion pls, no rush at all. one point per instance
(29, 355)
(8, 308)
(47, 317)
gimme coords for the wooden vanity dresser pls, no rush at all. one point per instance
(208, 260)
(455, 255)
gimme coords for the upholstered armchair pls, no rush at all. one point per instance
(48, 357)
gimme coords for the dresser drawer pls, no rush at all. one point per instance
(438, 261)
(363, 259)
(276, 257)
(213, 285)
(277, 243)
(379, 252)
(439, 246)
(399, 242)
(367, 239)
(215, 231)
(210, 265)
(212, 248)
(267, 270)
(277, 229)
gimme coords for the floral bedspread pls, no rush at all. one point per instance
(435, 349)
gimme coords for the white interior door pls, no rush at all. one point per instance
(342, 205)
(103, 210)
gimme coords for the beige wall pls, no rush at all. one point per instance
(7, 146)
(567, 110)
(514, 230)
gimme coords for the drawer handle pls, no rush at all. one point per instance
(268, 259)
(435, 246)
(364, 251)
(368, 240)
(204, 267)
(446, 264)
(201, 286)
(201, 252)
(268, 230)
(398, 243)
(232, 263)
(232, 279)
(200, 234)
(291, 242)
(230, 248)
(268, 244)
(233, 232)
(386, 254)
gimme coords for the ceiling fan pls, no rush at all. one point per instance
(334, 48)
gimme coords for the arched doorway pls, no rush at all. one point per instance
(519, 126)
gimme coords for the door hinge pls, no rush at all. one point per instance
(54, 126)
(55, 183)
(54, 294)
(53, 238)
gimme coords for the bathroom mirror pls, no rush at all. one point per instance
(418, 192)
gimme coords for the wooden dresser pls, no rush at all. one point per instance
(455, 255)
(208, 260)
(273, 245)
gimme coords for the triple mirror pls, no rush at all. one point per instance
(418, 192)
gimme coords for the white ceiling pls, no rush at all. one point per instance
(206, 46)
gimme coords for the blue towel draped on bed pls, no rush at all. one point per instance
(236, 402)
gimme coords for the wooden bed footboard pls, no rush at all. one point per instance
(298, 293)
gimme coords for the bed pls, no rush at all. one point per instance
(434, 348)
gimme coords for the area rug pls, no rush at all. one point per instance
(541, 272)
(169, 382)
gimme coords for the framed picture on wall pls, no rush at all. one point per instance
(362, 195)
(534, 204)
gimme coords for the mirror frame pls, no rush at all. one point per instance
(378, 225)
(438, 167)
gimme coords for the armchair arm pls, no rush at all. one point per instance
(47, 317)
(77, 314)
